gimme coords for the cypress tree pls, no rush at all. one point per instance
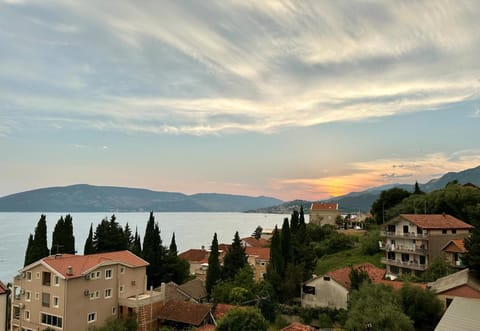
(40, 247)
(129, 239)
(294, 222)
(57, 236)
(63, 240)
(286, 242)
(173, 247)
(28, 252)
(301, 219)
(137, 246)
(235, 259)
(89, 248)
(277, 261)
(109, 236)
(153, 252)
(472, 244)
(69, 241)
(213, 271)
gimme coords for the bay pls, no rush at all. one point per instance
(192, 230)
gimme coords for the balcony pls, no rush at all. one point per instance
(405, 264)
(403, 248)
(412, 235)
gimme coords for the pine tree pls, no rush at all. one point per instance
(89, 248)
(109, 236)
(235, 259)
(213, 271)
(129, 239)
(175, 269)
(63, 240)
(417, 189)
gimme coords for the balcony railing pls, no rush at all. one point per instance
(404, 234)
(402, 248)
(405, 264)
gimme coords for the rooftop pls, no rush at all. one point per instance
(434, 221)
(461, 315)
(455, 246)
(462, 277)
(253, 242)
(262, 253)
(184, 312)
(194, 254)
(324, 206)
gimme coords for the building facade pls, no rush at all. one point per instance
(412, 241)
(75, 292)
(324, 213)
(4, 293)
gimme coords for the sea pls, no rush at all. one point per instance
(192, 230)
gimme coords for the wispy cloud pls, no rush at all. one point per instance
(210, 67)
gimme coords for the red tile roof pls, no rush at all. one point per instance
(206, 327)
(253, 242)
(296, 326)
(3, 289)
(342, 276)
(436, 221)
(83, 263)
(398, 284)
(324, 206)
(196, 255)
(259, 252)
(455, 246)
(221, 309)
(184, 312)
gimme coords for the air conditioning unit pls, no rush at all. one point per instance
(86, 293)
(87, 277)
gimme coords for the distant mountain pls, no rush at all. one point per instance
(362, 201)
(89, 198)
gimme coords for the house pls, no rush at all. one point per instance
(258, 258)
(461, 315)
(460, 284)
(267, 234)
(324, 213)
(453, 251)
(195, 289)
(184, 314)
(76, 292)
(411, 241)
(332, 289)
(198, 259)
(4, 293)
(296, 326)
(254, 242)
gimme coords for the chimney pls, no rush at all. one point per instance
(69, 270)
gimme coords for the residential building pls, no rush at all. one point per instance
(254, 242)
(184, 314)
(297, 326)
(198, 261)
(258, 258)
(460, 284)
(75, 292)
(453, 251)
(4, 293)
(461, 315)
(332, 289)
(324, 213)
(411, 241)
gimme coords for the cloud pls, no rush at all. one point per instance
(211, 68)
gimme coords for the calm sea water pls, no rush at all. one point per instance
(192, 230)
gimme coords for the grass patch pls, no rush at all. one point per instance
(346, 258)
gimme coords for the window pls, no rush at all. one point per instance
(55, 302)
(309, 289)
(454, 231)
(94, 295)
(326, 278)
(46, 278)
(29, 276)
(405, 229)
(122, 270)
(37, 275)
(17, 291)
(27, 315)
(114, 310)
(91, 317)
(108, 274)
(28, 295)
(97, 274)
(45, 299)
(16, 312)
(51, 320)
(56, 281)
(108, 293)
(444, 231)
(37, 296)
(122, 288)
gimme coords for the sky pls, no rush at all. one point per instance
(289, 99)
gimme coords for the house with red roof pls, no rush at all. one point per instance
(460, 284)
(332, 289)
(4, 293)
(453, 251)
(412, 241)
(254, 242)
(324, 213)
(258, 258)
(76, 292)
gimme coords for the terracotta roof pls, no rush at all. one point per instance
(193, 254)
(3, 289)
(436, 221)
(206, 327)
(324, 206)
(259, 252)
(455, 246)
(253, 242)
(195, 288)
(296, 326)
(342, 276)
(224, 247)
(83, 263)
(221, 309)
(184, 312)
(398, 284)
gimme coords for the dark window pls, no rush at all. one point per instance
(405, 229)
(46, 278)
(422, 259)
(454, 231)
(309, 289)
(51, 320)
(391, 255)
(391, 228)
(394, 269)
(405, 257)
(444, 231)
(419, 230)
(327, 278)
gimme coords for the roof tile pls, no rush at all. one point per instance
(436, 221)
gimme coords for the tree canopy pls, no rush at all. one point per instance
(241, 319)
